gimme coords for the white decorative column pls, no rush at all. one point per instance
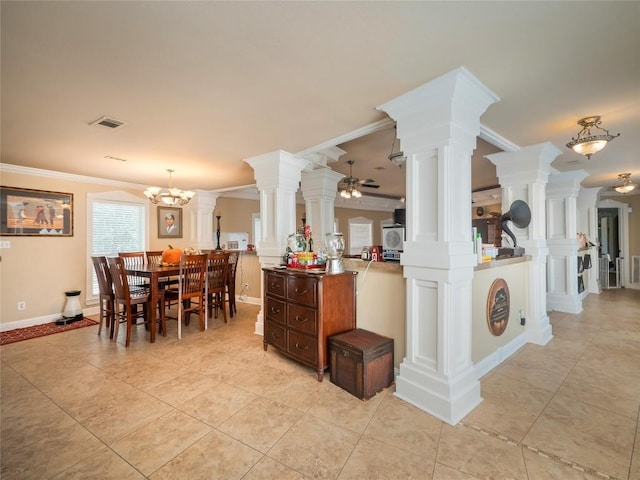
(562, 230)
(587, 204)
(201, 208)
(277, 176)
(438, 124)
(319, 188)
(523, 175)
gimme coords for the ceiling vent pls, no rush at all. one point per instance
(109, 122)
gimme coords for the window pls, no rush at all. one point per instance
(116, 222)
(360, 234)
(257, 232)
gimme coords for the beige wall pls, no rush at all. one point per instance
(483, 342)
(38, 270)
(380, 304)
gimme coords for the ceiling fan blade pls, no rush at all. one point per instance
(370, 185)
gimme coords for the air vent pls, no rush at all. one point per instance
(109, 122)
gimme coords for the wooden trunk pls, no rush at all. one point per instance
(361, 362)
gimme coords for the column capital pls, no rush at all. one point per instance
(530, 164)
(563, 184)
(204, 200)
(277, 169)
(458, 85)
(323, 157)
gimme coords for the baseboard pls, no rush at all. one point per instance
(491, 361)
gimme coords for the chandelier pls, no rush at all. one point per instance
(587, 143)
(397, 158)
(627, 185)
(169, 196)
(349, 185)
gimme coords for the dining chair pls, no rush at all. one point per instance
(217, 281)
(131, 260)
(154, 257)
(105, 295)
(191, 288)
(231, 284)
(126, 299)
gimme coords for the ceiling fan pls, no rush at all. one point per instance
(349, 185)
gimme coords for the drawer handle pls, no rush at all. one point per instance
(275, 286)
(302, 292)
(306, 347)
(301, 319)
(275, 310)
(275, 334)
(345, 353)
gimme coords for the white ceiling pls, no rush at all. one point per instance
(204, 85)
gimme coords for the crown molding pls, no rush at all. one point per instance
(72, 177)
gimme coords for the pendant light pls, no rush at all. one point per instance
(627, 185)
(587, 143)
(169, 196)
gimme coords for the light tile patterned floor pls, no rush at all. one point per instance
(216, 406)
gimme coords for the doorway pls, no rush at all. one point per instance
(613, 240)
(609, 250)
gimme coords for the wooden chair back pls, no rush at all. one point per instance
(231, 286)
(132, 260)
(154, 257)
(217, 281)
(105, 289)
(191, 287)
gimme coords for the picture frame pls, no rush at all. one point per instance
(26, 212)
(169, 222)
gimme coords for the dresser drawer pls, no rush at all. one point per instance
(303, 347)
(275, 284)
(276, 310)
(302, 319)
(302, 290)
(276, 335)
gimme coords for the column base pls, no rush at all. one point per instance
(539, 331)
(565, 303)
(446, 399)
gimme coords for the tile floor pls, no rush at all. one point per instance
(216, 406)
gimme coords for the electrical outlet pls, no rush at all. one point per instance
(5, 244)
(22, 305)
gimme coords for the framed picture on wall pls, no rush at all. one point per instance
(28, 212)
(169, 222)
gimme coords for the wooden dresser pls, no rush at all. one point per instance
(302, 309)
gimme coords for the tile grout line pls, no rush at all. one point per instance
(542, 453)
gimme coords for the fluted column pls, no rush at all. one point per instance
(438, 124)
(201, 208)
(562, 229)
(523, 175)
(277, 176)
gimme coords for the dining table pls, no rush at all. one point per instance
(154, 273)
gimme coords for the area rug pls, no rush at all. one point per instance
(19, 334)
